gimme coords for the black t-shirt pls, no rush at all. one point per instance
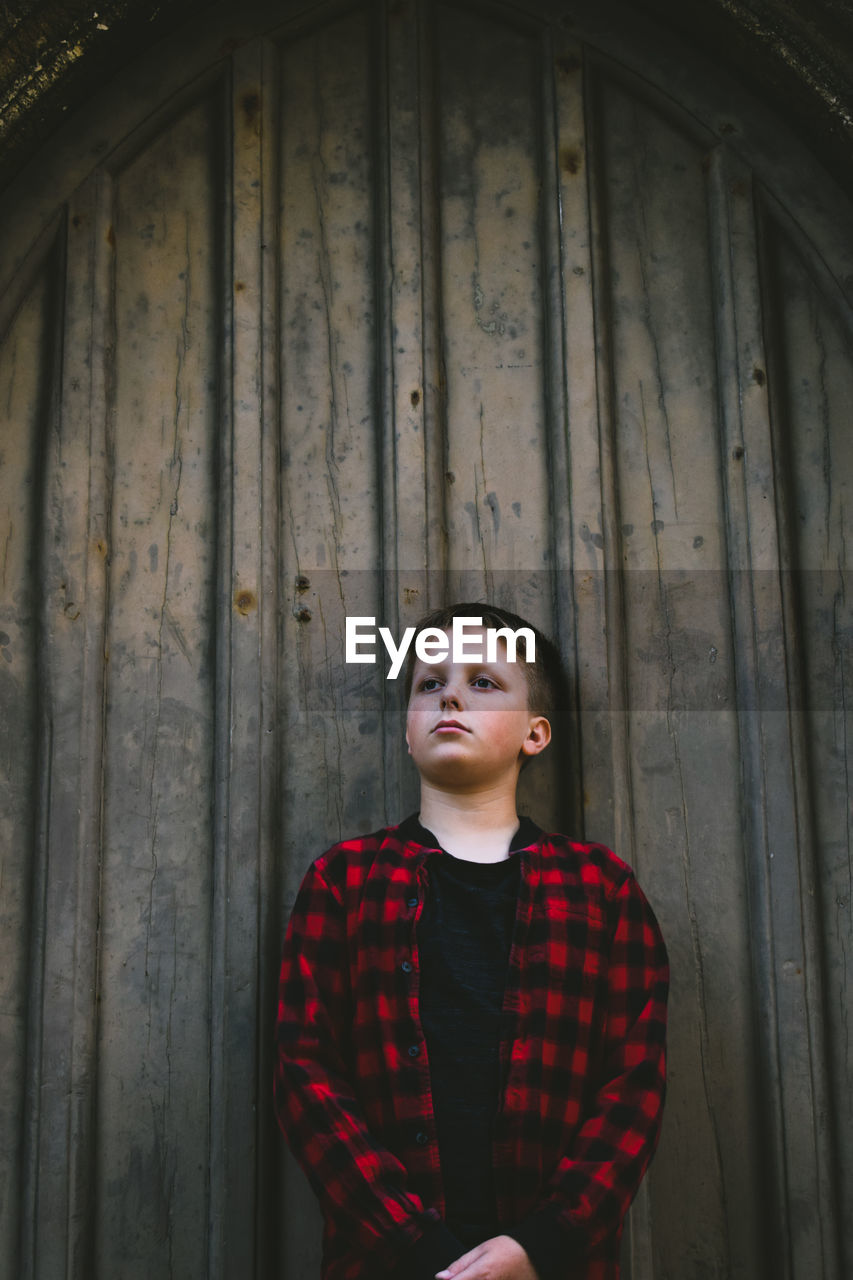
(464, 938)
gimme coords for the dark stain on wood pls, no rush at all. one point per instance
(251, 104)
(567, 64)
(245, 602)
(571, 160)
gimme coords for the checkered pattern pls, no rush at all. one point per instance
(582, 1051)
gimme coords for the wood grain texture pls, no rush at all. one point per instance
(29, 371)
(345, 312)
(155, 890)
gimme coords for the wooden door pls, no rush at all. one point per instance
(342, 311)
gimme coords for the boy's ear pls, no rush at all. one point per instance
(538, 736)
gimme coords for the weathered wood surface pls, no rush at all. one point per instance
(337, 314)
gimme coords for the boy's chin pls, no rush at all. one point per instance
(458, 774)
(445, 770)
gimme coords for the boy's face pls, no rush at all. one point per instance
(468, 724)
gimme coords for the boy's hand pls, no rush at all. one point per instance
(500, 1258)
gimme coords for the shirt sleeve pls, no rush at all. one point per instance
(598, 1176)
(360, 1184)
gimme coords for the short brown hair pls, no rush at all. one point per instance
(545, 679)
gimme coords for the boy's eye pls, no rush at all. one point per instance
(429, 684)
(484, 682)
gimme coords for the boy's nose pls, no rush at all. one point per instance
(449, 698)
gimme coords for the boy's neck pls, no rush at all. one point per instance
(478, 828)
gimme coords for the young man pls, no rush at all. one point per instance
(470, 1036)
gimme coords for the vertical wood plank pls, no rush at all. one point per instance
(813, 375)
(59, 1217)
(156, 875)
(675, 654)
(331, 458)
(329, 538)
(597, 538)
(810, 376)
(581, 502)
(409, 525)
(242, 961)
(570, 388)
(28, 376)
(488, 77)
(786, 949)
(409, 412)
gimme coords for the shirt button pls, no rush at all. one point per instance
(406, 966)
(422, 1139)
(414, 1050)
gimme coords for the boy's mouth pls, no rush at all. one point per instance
(450, 724)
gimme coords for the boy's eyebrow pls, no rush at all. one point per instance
(469, 665)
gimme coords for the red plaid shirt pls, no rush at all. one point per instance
(583, 1073)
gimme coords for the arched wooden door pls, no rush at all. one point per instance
(338, 311)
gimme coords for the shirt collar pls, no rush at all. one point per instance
(411, 830)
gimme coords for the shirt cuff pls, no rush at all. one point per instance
(431, 1252)
(546, 1243)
